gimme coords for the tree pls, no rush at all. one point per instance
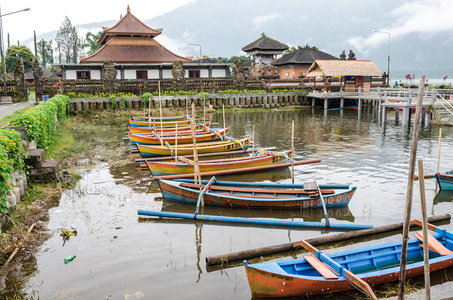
(68, 42)
(91, 42)
(14, 53)
(34, 39)
(231, 59)
(45, 52)
(306, 47)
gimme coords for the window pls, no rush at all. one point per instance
(142, 74)
(286, 74)
(83, 75)
(194, 73)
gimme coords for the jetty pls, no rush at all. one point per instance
(437, 103)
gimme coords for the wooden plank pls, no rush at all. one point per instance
(434, 244)
(310, 186)
(320, 267)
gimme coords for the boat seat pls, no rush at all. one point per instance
(320, 267)
(433, 244)
(311, 188)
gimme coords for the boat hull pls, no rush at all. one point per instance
(147, 151)
(175, 168)
(135, 123)
(176, 191)
(166, 130)
(445, 181)
(270, 279)
(149, 139)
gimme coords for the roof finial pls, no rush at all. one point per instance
(121, 16)
(128, 9)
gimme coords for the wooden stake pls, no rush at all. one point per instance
(410, 185)
(438, 155)
(425, 229)
(292, 147)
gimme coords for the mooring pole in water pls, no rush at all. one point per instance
(410, 186)
(425, 229)
(149, 112)
(438, 154)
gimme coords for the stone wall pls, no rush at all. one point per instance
(261, 100)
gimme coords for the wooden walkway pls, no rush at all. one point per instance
(404, 99)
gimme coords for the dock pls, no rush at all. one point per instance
(437, 103)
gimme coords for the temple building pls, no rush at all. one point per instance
(264, 51)
(297, 63)
(131, 46)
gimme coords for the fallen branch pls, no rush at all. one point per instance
(20, 245)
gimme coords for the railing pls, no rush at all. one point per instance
(445, 103)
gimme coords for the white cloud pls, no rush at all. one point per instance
(426, 17)
(261, 20)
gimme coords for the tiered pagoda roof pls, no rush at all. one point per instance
(131, 41)
(265, 45)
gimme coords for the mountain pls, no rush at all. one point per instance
(222, 28)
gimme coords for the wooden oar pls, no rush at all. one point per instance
(351, 277)
(323, 204)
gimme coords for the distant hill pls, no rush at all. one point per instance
(222, 28)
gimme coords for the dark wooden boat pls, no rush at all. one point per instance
(445, 180)
(329, 273)
(256, 195)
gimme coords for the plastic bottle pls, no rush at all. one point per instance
(69, 259)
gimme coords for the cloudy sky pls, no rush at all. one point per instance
(47, 15)
(421, 30)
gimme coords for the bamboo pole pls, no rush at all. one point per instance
(176, 142)
(223, 109)
(438, 155)
(323, 240)
(425, 230)
(149, 111)
(410, 186)
(253, 138)
(197, 176)
(292, 148)
(160, 111)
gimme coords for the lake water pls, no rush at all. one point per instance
(120, 255)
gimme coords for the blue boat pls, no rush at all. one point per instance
(327, 273)
(445, 180)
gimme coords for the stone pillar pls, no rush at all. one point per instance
(19, 77)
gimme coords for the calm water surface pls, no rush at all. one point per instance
(122, 256)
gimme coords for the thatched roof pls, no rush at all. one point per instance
(332, 68)
(265, 43)
(302, 56)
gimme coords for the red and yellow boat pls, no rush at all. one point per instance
(187, 149)
(186, 166)
(165, 130)
(135, 123)
(155, 139)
